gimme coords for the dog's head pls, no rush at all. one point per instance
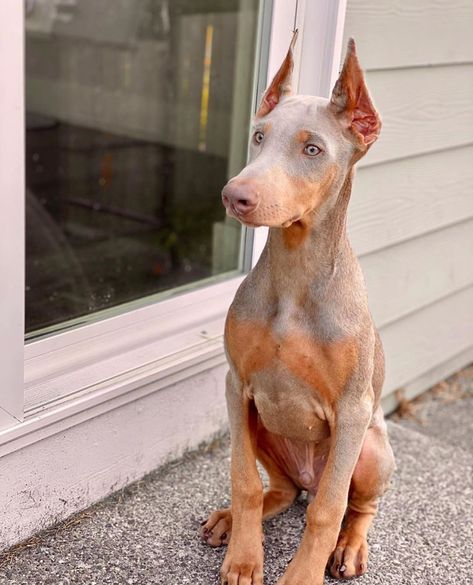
(302, 147)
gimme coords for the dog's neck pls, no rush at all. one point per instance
(313, 249)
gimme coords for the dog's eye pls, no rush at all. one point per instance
(312, 150)
(258, 137)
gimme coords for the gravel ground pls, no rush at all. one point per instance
(147, 534)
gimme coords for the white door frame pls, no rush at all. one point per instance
(12, 210)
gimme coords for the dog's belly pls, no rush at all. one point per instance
(302, 461)
(292, 429)
(287, 406)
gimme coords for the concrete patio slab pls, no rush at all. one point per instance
(148, 534)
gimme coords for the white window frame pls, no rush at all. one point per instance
(117, 358)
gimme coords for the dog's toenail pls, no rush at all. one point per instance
(203, 522)
(343, 569)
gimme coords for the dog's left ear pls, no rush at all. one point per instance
(351, 101)
(281, 84)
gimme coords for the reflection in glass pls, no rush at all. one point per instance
(137, 113)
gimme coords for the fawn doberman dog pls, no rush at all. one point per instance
(306, 362)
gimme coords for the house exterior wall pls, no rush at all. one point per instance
(411, 215)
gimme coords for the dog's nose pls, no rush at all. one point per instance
(240, 198)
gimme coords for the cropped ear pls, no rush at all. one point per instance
(351, 101)
(281, 84)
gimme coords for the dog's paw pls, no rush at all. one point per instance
(216, 530)
(350, 558)
(243, 566)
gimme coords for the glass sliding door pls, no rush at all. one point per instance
(137, 112)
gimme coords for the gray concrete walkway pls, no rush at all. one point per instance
(147, 534)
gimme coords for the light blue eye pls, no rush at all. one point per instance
(258, 137)
(312, 150)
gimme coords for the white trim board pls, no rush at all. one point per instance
(324, 39)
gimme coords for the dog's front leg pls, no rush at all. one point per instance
(325, 513)
(243, 564)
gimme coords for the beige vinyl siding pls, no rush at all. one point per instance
(411, 216)
(397, 33)
(410, 197)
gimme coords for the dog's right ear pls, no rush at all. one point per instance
(281, 84)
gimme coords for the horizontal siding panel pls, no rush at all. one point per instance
(420, 341)
(423, 110)
(400, 33)
(428, 379)
(405, 198)
(404, 278)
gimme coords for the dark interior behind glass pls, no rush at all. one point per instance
(136, 111)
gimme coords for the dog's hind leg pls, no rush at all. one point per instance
(282, 490)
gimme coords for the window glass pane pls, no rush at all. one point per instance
(137, 112)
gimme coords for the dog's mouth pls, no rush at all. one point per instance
(244, 203)
(232, 212)
(254, 224)
(248, 220)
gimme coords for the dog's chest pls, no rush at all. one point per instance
(291, 374)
